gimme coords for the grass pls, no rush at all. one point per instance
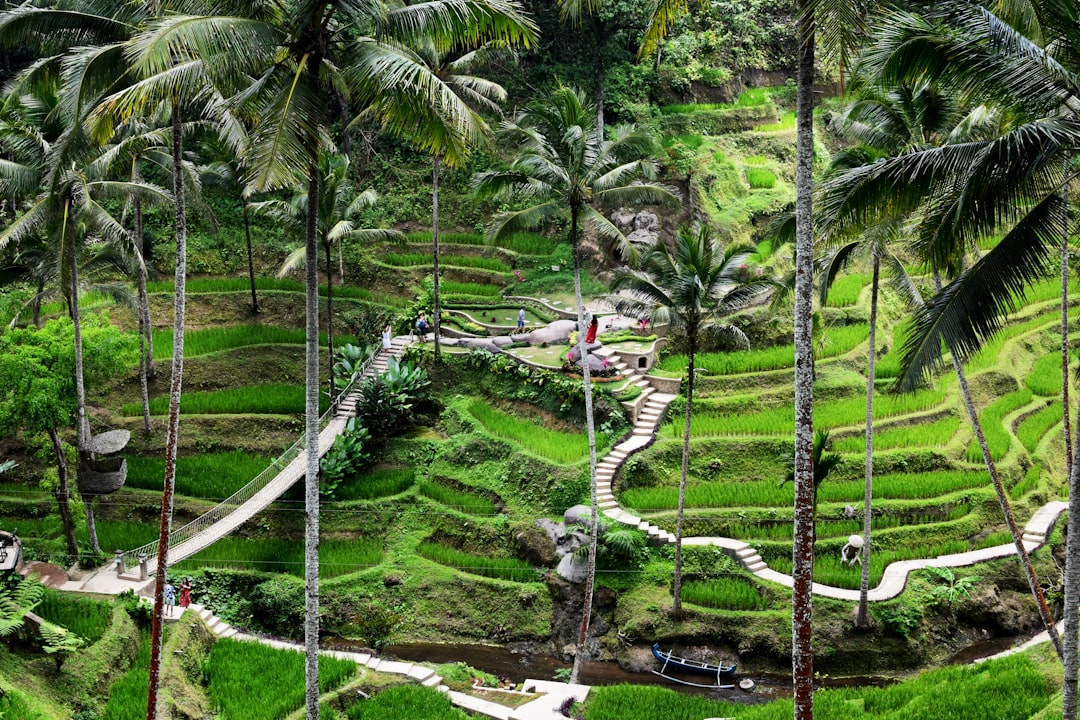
(336, 557)
(828, 414)
(845, 290)
(85, 617)
(206, 475)
(424, 259)
(987, 357)
(750, 97)
(760, 178)
(268, 399)
(1012, 688)
(123, 535)
(451, 287)
(127, 696)
(1034, 426)
(373, 484)
(827, 528)
(1045, 376)
(770, 493)
(206, 286)
(466, 502)
(997, 436)
(559, 447)
(217, 339)
(725, 593)
(499, 568)
(248, 680)
(1028, 483)
(906, 436)
(837, 340)
(787, 122)
(523, 243)
(414, 702)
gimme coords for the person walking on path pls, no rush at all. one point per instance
(421, 326)
(521, 320)
(185, 592)
(594, 327)
(170, 599)
(386, 338)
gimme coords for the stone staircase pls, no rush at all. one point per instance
(347, 406)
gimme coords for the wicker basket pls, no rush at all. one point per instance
(101, 477)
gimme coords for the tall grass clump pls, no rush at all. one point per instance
(560, 447)
(759, 178)
(127, 696)
(454, 238)
(269, 399)
(214, 286)
(987, 357)
(123, 535)
(499, 568)
(1029, 482)
(1037, 424)
(414, 702)
(929, 434)
(997, 435)
(246, 680)
(218, 339)
(466, 502)
(86, 617)
(452, 287)
(724, 593)
(525, 243)
(845, 291)
(646, 702)
(379, 483)
(837, 340)
(1045, 376)
(206, 475)
(281, 555)
(787, 122)
(888, 365)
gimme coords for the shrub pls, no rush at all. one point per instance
(278, 603)
(387, 400)
(345, 459)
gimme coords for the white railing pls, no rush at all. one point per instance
(132, 558)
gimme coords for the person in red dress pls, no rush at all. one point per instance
(185, 592)
(590, 336)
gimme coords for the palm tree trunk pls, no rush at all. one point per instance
(862, 617)
(37, 301)
(63, 495)
(676, 586)
(329, 247)
(1071, 610)
(1003, 500)
(590, 429)
(251, 261)
(172, 430)
(1065, 343)
(311, 430)
(436, 320)
(802, 659)
(144, 318)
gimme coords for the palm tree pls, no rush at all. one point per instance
(690, 288)
(338, 206)
(475, 92)
(1008, 181)
(288, 60)
(562, 165)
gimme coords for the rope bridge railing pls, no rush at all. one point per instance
(221, 511)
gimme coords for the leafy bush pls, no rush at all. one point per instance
(345, 459)
(349, 362)
(387, 400)
(278, 603)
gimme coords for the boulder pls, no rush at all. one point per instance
(573, 354)
(579, 515)
(484, 343)
(573, 570)
(556, 332)
(501, 340)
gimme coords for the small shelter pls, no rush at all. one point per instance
(101, 470)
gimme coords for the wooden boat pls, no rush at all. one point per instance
(674, 662)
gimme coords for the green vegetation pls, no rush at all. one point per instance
(210, 285)
(336, 556)
(406, 701)
(451, 287)
(787, 122)
(760, 178)
(466, 502)
(997, 436)
(86, 617)
(553, 445)
(1036, 425)
(424, 259)
(268, 399)
(499, 568)
(205, 475)
(523, 243)
(248, 680)
(216, 339)
(845, 290)
(726, 593)
(127, 696)
(378, 483)
(905, 436)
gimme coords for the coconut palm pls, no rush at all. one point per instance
(287, 61)
(339, 204)
(690, 288)
(562, 167)
(476, 93)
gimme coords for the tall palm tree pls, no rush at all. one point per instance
(456, 74)
(1006, 182)
(339, 204)
(690, 288)
(287, 61)
(563, 166)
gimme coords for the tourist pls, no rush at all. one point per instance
(185, 592)
(644, 323)
(521, 320)
(386, 336)
(422, 326)
(594, 327)
(170, 599)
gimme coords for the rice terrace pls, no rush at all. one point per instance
(522, 360)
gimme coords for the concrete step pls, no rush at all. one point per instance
(643, 432)
(643, 383)
(759, 565)
(229, 633)
(1031, 537)
(604, 497)
(745, 553)
(617, 454)
(432, 681)
(606, 504)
